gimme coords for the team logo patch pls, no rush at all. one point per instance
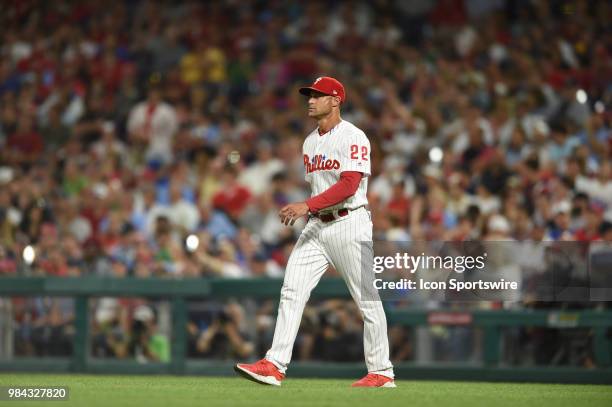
(320, 163)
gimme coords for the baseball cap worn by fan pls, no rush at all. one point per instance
(326, 85)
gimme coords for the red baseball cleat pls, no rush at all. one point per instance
(375, 380)
(262, 371)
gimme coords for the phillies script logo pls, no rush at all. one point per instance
(319, 163)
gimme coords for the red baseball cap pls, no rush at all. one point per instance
(326, 85)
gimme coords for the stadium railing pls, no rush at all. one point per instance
(178, 292)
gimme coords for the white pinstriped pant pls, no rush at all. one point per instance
(338, 243)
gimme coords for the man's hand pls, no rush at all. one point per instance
(292, 212)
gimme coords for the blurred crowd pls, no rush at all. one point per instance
(126, 129)
(135, 328)
(143, 138)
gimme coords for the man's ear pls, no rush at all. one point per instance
(336, 101)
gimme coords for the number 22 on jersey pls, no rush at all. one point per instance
(355, 152)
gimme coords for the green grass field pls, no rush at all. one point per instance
(171, 391)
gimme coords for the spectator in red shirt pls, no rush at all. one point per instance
(399, 205)
(448, 13)
(25, 145)
(8, 265)
(590, 231)
(233, 198)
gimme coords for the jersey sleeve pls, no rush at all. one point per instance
(355, 154)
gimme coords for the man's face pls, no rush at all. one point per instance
(320, 105)
(154, 96)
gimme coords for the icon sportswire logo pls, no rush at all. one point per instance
(319, 163)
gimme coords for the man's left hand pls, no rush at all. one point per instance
(292, 212)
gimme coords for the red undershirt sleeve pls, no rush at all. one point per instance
(345, 187)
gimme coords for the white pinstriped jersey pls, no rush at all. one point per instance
(344, 148)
